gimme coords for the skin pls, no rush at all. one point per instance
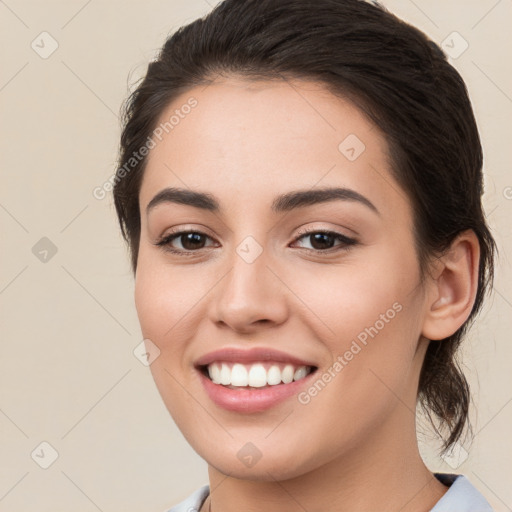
(353, 447)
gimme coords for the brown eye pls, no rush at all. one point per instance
(191, 241)
(322, 241)
(184, 242)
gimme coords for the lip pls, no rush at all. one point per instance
(251, 400)
(252, 355)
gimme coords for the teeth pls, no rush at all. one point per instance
(287, 375)
(274, 375)
(300, 373)
(239, 376)
(256, 375)
(214, 372)
(225, 375)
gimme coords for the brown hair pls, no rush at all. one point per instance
(390, 70)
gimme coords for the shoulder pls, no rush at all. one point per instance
(194, 502)
(462, 495)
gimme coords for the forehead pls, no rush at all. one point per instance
(259, 138)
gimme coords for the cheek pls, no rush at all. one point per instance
(370, 315)
(163, 297)
(373, 328)
(165, 301)
(154, 317)
(350, 298)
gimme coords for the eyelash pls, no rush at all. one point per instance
(346, 242)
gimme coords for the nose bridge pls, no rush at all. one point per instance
(250, 292)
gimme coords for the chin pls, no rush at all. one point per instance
(266, 464)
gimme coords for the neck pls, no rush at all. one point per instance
(385, 473)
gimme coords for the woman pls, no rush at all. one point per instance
(300, 186)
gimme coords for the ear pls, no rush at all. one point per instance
(451, 290)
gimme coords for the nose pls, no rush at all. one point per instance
(250, 297)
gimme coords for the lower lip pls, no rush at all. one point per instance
(251, 400)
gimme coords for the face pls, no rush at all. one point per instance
(303, 306)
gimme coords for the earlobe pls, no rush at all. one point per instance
(452, 291)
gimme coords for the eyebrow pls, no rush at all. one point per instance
(283, 203)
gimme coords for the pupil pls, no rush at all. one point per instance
(318, 237)
(192, 240)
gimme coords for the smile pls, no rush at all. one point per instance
(256, 375)
(252, 380)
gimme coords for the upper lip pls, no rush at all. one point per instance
(251, 355)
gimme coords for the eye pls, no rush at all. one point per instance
(190, 241)
(323, 241)
(185, 243)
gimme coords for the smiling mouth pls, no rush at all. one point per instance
(255, 375)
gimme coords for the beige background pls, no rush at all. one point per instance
(68, 375)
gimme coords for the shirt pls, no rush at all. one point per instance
(461, 496)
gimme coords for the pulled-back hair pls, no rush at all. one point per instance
(392, 72)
